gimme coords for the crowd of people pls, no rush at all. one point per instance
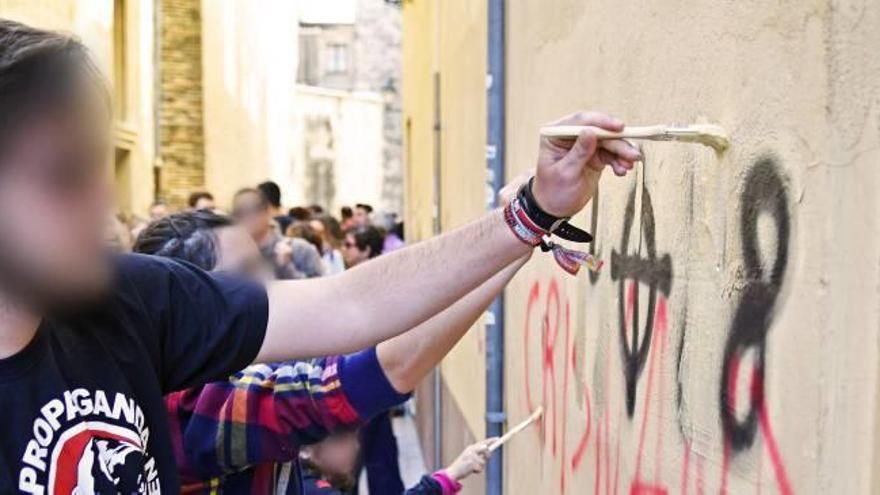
(259, 239)
(301, 242)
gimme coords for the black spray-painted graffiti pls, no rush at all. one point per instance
(656, 273)
(764, 194)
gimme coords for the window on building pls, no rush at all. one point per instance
(337, 58)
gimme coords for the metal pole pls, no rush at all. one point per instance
(495, 83)
(437, 378)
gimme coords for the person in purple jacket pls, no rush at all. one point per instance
(243, 434)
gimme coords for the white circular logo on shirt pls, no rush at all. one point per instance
(76, 450)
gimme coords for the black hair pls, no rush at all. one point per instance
(299, 214)
(187, 236)
(364, 206)
(198, 195)
(331, 225)
(367, 236)
(345, 212)
(271, 192)
(42, 70)
(397, 230)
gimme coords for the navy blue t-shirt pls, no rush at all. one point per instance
(81, 407)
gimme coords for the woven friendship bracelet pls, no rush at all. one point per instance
(527, 231)
(523, 228)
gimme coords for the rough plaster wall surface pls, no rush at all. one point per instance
(462, 58)
(417, 93)
(250, 58)
(349, 134)
(730, 344)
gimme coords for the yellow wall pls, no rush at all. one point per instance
(419, 45)
(462, 56)
(250, 60)
(797, 84)
(446, 42)
(94, 22)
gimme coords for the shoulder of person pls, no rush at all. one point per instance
(140, 266)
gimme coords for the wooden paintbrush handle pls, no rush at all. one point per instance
(572, 132)
(516, 429)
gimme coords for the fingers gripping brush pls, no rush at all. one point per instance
(706, 134)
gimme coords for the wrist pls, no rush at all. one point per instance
(448, 483)
(523, 227)
(545, 219)
(533, 227)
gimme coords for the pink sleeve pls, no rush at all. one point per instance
(449, 485)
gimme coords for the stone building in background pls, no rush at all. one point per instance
(350, 54)
(211, 95)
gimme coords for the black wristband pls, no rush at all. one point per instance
(550, 223)
(531, 208)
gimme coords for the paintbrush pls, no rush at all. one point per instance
(706, 134)
(516, 429)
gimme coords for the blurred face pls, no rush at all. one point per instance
(238, 253)
(158, 210)
(353, 255)
(361, 217)
(252, 213)
(318, 227)
(54, 201)
(337, 455)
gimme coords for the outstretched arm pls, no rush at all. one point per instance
(398, 291)
(406, 359)
(287, 405)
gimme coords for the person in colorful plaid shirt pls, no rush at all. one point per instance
(243, 435)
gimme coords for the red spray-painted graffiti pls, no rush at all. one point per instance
(644, 342)
(557, 358)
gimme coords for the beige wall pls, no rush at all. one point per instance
(94, 22)
(250, 56)
(444, 72)
(343, 129)
(797, 84)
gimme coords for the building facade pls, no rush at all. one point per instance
(730, 343)
(350, 56)
(121, 35)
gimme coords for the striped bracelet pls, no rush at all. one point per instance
(527, 231)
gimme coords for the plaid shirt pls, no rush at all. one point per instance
(243, 435)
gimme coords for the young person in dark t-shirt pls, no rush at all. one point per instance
(89, 344)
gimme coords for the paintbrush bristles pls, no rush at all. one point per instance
(706, 134)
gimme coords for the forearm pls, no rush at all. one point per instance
(406, 359)
(386, 296)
